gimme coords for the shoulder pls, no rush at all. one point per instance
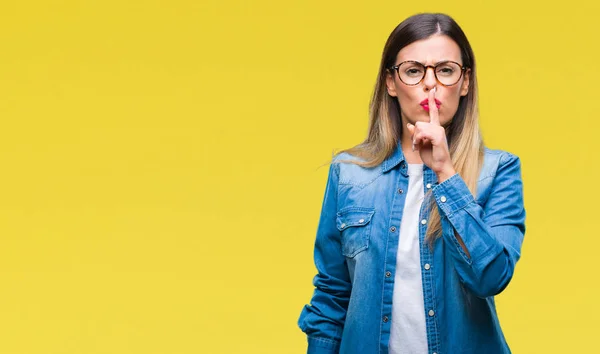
(495, 160)
(351, 173)
(502, 156)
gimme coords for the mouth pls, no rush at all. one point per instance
(425, 104)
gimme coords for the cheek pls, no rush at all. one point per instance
(407, 97)
(452, 99)
(450, 104)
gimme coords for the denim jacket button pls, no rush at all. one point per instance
(385, 319)
(400, 191)
(443, 199)
(423, 221)
(388, 274)
(393, 229)
(431, 313)
(428, 185)
(427, 266)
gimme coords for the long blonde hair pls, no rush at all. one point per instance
(385, 123)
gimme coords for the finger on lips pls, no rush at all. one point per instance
(421, 132)
(425, 132)
(433, 110)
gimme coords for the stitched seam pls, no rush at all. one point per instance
(450, 207)
(367, 237)
(456, 244)
(385, 259)
(326, 340)
(490, 248)
(355, 208)
(435, 324)
(366, 225)
(486, 177)
(348, 182)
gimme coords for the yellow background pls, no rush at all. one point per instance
(160, 189)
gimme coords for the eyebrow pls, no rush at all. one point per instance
(434, 64)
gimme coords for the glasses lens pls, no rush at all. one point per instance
(448, 73)
(411, 73)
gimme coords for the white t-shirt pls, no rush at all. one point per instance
(408, 332)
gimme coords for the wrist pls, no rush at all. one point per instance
(445, 174)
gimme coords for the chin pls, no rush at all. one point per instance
(423, 117)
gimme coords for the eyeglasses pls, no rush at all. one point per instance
(412, 72)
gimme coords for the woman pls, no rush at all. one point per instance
(421, 225)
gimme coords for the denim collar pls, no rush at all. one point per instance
(394, 159)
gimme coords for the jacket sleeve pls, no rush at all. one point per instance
(323, 319)
(493, 234)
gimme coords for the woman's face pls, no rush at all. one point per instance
(430, 51)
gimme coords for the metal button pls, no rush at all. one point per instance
(424, 221)
(428, 186)
(393, 229)
(400, 191)
(431, 313)
(427, 266)
(343, 225)
(443, 199)
(385, 319)
(361, 221)
(388, 274)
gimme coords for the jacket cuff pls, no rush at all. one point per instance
(454, 199)
(452, 195)
(318, 345)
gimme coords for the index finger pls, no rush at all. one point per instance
(434, 116)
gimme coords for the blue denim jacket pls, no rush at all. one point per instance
(355, 256)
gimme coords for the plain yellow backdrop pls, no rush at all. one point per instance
(160, 183)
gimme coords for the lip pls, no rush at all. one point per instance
(425, 104)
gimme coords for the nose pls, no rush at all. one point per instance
(429, 81)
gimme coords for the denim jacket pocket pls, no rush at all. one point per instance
(354, 224)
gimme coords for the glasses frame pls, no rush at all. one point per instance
(396, 68)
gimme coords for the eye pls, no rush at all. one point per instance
(445, 70)
(448, 69)
(414, 71)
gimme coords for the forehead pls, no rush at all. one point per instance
(431, 50)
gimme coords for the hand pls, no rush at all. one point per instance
(430, 140)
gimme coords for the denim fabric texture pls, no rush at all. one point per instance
(357, 241)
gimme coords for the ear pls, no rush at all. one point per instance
(464, 88)
(391, 85)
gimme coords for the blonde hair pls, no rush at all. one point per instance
(385, 123)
